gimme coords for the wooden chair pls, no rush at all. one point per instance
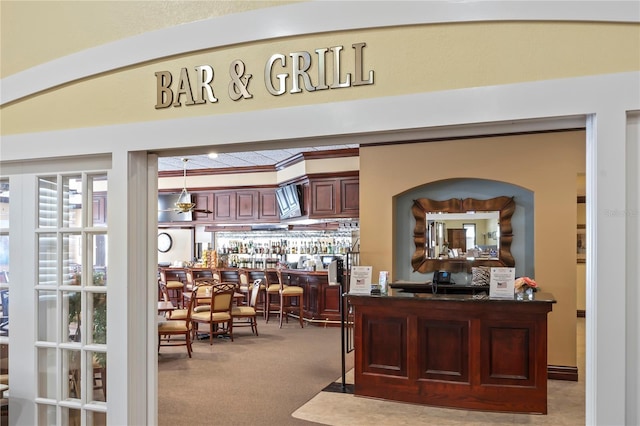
(229, 275)
(288, 293)
(178, 314)
(176, 327)
(218, 315)
(176, 280)
(248, 312)
(201, 290)
(194, 274)
(99, 375)
(247, 277)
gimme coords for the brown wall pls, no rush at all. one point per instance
(546, 164)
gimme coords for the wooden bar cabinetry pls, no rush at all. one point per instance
(321, 301)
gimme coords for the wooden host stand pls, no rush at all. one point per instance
(453, 350)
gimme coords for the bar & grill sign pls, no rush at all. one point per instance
(291, 73)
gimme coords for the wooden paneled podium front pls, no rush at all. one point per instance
(454, 350)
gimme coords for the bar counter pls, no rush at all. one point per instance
(321, 301)
(453, 350)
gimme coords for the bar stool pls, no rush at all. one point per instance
(288, 293)
(272, 291)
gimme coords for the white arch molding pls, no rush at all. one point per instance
(295, 20)
(601, 103)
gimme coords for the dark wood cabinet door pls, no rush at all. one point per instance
(330, 301)
(247, 205)
(335, 197)
(224, 206)
(350, 197)
(323, 198)
(268, 206)
(312, 300)
(204, 201)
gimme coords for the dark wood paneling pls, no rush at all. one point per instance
(331, 300)
(385, 345)
(507, 353)
(204, 201)
(350, 197)
(224, 206)
(453, 351)
(323, 198)
(247, 205)
(268, 206)
(445, 350)
(320, 300)
(562, 372)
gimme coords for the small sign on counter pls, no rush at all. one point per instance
(501, 283)
(360, 280)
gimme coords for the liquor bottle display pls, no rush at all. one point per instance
(260, 249)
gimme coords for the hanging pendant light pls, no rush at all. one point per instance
(184, 203)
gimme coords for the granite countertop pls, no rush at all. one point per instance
(537, 297)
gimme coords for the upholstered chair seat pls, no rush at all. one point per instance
(175, 326)
(248, 313)
(216, 314)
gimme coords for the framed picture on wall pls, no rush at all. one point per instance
(581, 248)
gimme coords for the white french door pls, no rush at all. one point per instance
(58, 340)
(71, 294)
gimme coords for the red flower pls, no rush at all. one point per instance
(523, 283)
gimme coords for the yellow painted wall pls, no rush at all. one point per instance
(581, 268)
(546, 164)
(405, 60)
(35, 32)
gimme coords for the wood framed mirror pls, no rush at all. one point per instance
(425, 260)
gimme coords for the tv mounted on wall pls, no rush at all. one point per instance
(289, 199)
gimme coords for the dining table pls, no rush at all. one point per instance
(165, 306)
(238, 298)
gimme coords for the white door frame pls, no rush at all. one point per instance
(609, 102)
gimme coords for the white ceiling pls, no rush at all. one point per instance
(239, 159)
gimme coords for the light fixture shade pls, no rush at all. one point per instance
(184, 203)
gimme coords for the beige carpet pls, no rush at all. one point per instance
(279, 377)
(254, 380)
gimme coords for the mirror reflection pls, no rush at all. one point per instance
(470, 231)
(463, 235)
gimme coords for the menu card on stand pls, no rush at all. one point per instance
(501, 283)
(360, 281)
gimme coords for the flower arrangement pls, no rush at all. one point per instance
(524, 283)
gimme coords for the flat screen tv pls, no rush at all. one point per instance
(166, 209)
(289, 199)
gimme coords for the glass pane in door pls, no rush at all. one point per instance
(47, 315)
(72, 298)
(47, 259)
(47, 377)
(72, 201)
(48, 202)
